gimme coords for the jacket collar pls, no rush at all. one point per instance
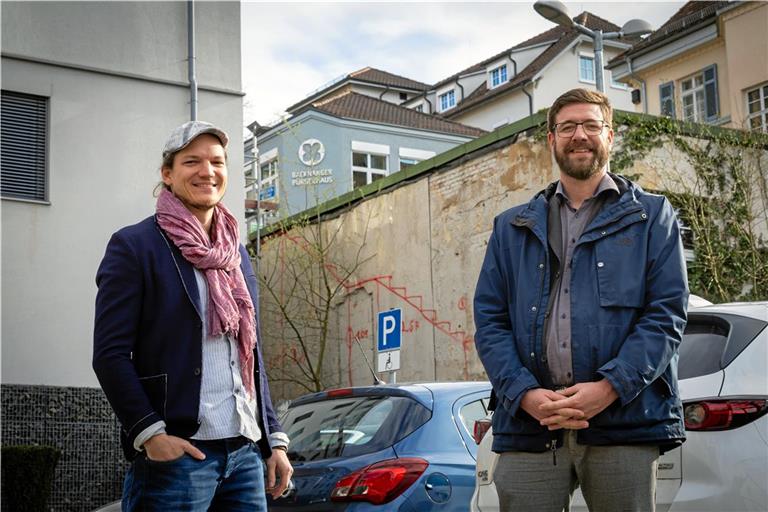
(534, 215)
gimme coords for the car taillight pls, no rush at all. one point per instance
(381, 482)
(337, 393)
(480, 429)
(723, 414)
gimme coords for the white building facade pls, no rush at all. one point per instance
(90, 92)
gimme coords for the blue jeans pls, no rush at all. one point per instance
(230, 478)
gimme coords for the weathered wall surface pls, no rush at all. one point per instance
(420, 249)
(421, 246)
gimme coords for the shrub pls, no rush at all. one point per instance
(27, 475)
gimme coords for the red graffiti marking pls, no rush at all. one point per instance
(412, 325)
(384, 281)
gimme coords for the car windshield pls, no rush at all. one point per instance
(350, 426)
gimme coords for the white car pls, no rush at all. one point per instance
(723, 378)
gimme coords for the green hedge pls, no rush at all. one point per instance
(27, 475)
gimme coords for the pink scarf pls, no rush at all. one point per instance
(230, 309)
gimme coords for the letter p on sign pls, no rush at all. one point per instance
(389, 330)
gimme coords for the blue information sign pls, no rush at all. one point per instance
(389, 330)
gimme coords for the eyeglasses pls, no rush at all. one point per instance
(591, 127)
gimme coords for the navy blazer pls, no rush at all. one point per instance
(147, 340)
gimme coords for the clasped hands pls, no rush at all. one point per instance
(570, 408)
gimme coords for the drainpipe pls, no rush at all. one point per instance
(191, 60)
(431, 109)
(381, 96)
(530, 98)
(642, 84)
(514, 66)
(458, 82)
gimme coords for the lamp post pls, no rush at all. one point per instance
(557, 12)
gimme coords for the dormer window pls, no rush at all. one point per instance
(447, 100)
(498, 76)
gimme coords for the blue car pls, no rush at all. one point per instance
(406, 447)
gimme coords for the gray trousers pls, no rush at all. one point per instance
(612, 478)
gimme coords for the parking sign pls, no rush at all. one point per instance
(389, 330)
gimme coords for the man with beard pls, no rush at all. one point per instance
(579, 311)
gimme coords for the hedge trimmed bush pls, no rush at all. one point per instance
(27, 475)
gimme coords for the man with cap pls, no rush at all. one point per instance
(176, 345)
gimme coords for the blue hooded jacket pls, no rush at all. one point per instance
(629, 294)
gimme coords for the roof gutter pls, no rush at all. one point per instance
(522, 87)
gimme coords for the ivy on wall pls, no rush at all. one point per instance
(719, 184)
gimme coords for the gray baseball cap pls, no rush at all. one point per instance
(182, 135)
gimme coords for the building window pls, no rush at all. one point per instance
(367, 168)
(757, 108)
(698, 95)
(412, 156)
(616, 84)
(447, 100)
(499, 76)
(408, 162)
(586, 69)
(419, 108)
(23, 151)
(403, 96)
(268, 180)
(667, 98)
(269, 169)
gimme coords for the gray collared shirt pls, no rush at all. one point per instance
(558, 321)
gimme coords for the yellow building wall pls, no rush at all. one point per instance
(682, 67)
(746, 47)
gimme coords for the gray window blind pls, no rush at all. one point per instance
(710, 92)
(23, 123)
(667, 95)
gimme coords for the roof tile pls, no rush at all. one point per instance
(352, 105)
(377, 76)
(690, 14)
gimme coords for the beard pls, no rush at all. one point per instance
(584, 169)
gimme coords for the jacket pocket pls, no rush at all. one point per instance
(156, 388)
(620, 266)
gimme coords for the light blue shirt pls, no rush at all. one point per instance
(225, 409)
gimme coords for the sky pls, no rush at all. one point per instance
(291, 49)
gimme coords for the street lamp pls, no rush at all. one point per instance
(557, 12)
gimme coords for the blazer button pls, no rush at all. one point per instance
(197, 371)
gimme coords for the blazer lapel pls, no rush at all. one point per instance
(186, 273)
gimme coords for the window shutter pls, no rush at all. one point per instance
(667, 95)
(710, 93)
(23, 121)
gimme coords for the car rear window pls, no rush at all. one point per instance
(350, 426)
(712, 341)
